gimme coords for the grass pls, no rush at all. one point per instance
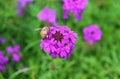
(100, 62)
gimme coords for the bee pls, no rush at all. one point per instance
(44, 31)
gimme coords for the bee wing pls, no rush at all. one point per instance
(38, 29)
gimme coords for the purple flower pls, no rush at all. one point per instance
(74, 6)
(14, 51)
(2, 40)
(47, 15)
(60, 42)
(92, 34)
(65, 14)
(21, 4)
(16, 57)
(3, 61)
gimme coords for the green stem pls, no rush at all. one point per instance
(1, 76)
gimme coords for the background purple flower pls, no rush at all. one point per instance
(21, 5)
(2, 40)
(15, 52)
(74, 6)
(16, 57)
(60, 42)
(47, 15)
(3, 61)
(92, 34)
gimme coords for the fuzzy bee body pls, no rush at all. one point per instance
(44, 32)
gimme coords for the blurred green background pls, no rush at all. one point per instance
(100, 62)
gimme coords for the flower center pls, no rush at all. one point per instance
(92, 32)
(74, 0)
(58, 36)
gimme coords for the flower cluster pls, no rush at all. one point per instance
(10, 50)
(3, 61)
(21, 4)
(2, 40)
(74, 6)
(15, 52)
(60, 42)
(92, 34)
(47, 15)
